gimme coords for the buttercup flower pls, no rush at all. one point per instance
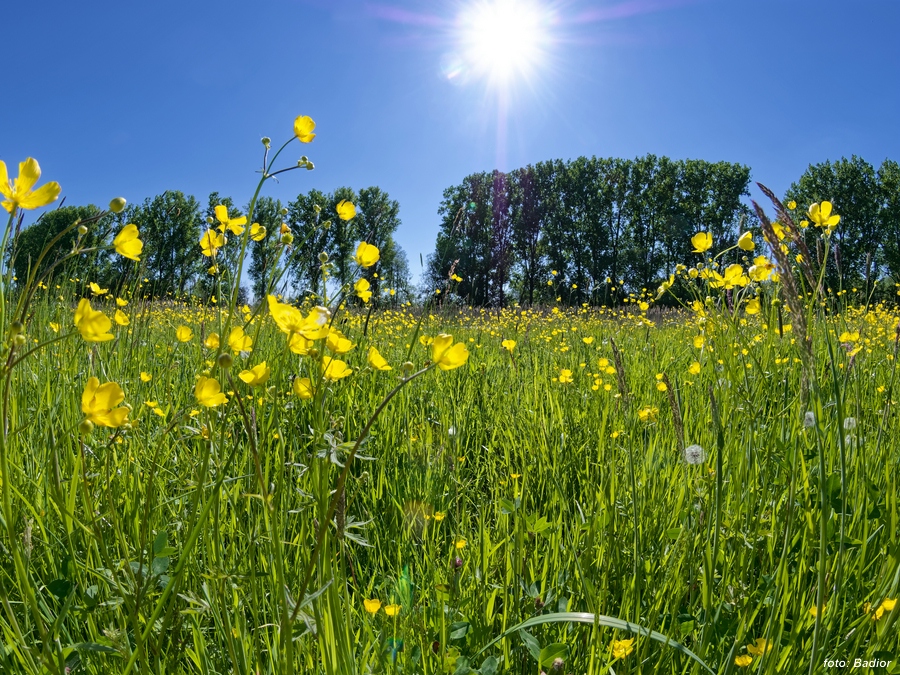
(209, 393)
(366, 254)
(376, 360)
(702, 242)
(127, 243)
(257, 376)
(19, 194)
(622, 648)
(302, 387)
(303, 129)
(743, 660)
(234, 225)
(372, 606)
(361, 287)
(121, 318)
(508, 345)
(93, 325)
(99, 401)
(447, 355)
(345, 210)
(239, 341)
(257, 232)
(337, 343)
(760, 647)
(820, 214)
(211, 242)
(334, 369)
(745, 241)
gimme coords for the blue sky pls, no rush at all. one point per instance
(133, 99)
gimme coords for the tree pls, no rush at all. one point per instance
(170, 225)
(91, 266)
(265, 266)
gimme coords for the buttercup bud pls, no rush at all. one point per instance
(287, 238)
(16, 328)
(317, 208)
(326, 224)
(323, 257)
(210, 220)
(225, 361)
(19, 340)
(82, 230)
(284, 211)
(310, 166)
(117, 205)
(266, 141)
(86, 427)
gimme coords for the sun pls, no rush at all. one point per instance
(504, 40)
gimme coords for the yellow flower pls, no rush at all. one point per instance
(745, 241)
(99, 401)
(694, 368)
(508, 345)
(662, 386)
(239, 341)
(121, 318)
(299, 344)
(565, 376)
(814, 610)
(19, 194)
(792, 205)
(820, 214)
(146, 377)
(303, 129)
(302, 387)
(847, 336)
(702, 241)
(345, 210)
(290, 320)
(127, 243)
(760, 647)
(212, 341)
(211, 242)
(752, 306)
(376, 360)
(209, 393)
(734, 276)
(439, 516)
(447, 355)
(121, 303)
(257, 232)
(234, 225)
(761, 268)
(96, 290)
(743, 660)
(366, 254)
(257, 376)
(184, 334)
(621, 648)
(460, 544)
(362, 289)
(54, 327)
(886, 606)
(392, 610)
(337, 343)
(372, 606)
(93, 325)
(589, 340)
(334, 369)
(648, 414)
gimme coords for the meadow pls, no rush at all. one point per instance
(318, 485)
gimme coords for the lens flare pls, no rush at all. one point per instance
(504, 40)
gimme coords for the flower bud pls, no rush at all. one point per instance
(287, 238)
(304, 159)
(82, 230)
(16, 328)
(317, 209)
(266, 141)
(407, 367)
(85, 427)
(310, 166)
(225, 361)
(284, 211)
(117, 205)
(210, 220)
(323, 257)
(326, 224)
(313, 353)
(19, 340)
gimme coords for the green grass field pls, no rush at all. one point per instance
(588, 490)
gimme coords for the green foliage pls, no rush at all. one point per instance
(93, 266)
(865, 244)
(605, 225)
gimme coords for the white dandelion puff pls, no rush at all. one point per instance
(694, 454)
(809, 419)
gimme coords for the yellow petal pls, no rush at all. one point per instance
(29, 172)
(41, 197)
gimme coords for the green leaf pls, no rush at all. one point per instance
(60, 588)
(531, 643)
(588, 618)
(159, 543)
(551, 652)
(489, 666)
(458, 630)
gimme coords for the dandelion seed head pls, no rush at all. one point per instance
(694, 454)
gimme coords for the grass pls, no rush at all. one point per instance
(482, 498)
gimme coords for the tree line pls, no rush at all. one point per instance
(593, 229)
(171, 225)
